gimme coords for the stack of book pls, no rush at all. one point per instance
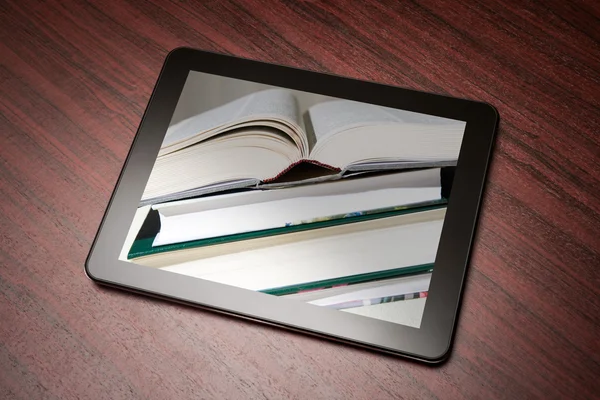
(341, 207)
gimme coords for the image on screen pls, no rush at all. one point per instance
(327, 201)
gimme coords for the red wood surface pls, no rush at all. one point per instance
(75, 77)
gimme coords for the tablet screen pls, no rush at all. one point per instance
(311, 198)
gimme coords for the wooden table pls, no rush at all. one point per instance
(75, 78)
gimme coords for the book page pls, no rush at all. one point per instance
(277, 104)
(351, 134)
(335, 116)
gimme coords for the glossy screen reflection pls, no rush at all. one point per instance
(322, 200)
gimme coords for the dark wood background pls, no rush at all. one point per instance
(75, 77)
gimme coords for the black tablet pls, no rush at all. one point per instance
(337, 207)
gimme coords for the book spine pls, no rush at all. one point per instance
(304, 160)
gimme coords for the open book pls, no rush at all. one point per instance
(263, 139)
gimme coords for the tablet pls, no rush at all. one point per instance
(327, 205)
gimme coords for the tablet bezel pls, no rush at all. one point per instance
(432, 341)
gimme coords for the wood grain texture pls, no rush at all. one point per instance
(75, 77)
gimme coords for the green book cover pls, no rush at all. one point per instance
(142, 246)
